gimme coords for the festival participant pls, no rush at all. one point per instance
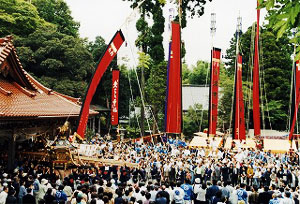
(188, 191)
(29, 198)
(287, 198)
(264, 197)
(49, 198)
(3, 195)
(60, 195)
(212, 191)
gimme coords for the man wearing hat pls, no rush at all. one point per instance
(42, 189)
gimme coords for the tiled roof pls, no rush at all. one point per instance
(23, 96)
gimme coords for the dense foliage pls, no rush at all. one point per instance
(275, 74)
(284, 17)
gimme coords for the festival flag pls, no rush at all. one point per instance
(174, 90)
(295, 98)
(256, 109)
(115, 97)
(239, 131)
(106, 59)
(214, 90)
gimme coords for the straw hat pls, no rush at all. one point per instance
(44, 181)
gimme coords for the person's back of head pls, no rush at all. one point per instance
(61, 187)
(132, 199)
(94, 195)
(219, 194)
(178, 184)
(141, 184)
(11, 192)
(119, 193)
(243, 185)
(127, 192)
(137, 190)
(266, 188)
(28, 190)
(255, 188)
(223, 199)
(287, 194)
(215, 182)
(148, 196)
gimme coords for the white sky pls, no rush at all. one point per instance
(105, 17)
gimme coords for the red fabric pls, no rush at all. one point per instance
(297, 98)
(239, 131)
(214, 90)
(115, 98)
(174, 108)
(256, 111)
(109, 54)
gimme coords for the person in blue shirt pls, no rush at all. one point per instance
(242, 193)
(212, 191)
(188, 191)
(60, 195)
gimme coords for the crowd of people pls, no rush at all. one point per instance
(166, 174)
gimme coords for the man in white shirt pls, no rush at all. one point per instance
(3, 195)
(287, 199)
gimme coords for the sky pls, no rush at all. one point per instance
(105, 17)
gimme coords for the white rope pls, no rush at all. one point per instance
(135, 63)
(250, 70)
(261, 86)
(202, 110)
(293, 83)
(264, 86)
(131, 93)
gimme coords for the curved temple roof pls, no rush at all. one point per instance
(23, 96)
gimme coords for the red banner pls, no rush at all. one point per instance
(239, 114)
(106, 58)
(256, 110)
(174, 100)
(296, 98)
(214, 90)
(115, 98)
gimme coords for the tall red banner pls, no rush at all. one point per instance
(256, 109)
(214, 90)
(174, 98)
(115, 98)
(239, 114)
(296, 98)
(106, 59)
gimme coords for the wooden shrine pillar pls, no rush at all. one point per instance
(99, 125)
(11, 150)
(94, 124)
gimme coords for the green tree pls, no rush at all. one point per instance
(58, 13)
(61, 62)
(185, 74)
(192, 119)
(18, 17)
(283, 16)
(156, 92)
(198, 74)
(275, 72)
(189, 8)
